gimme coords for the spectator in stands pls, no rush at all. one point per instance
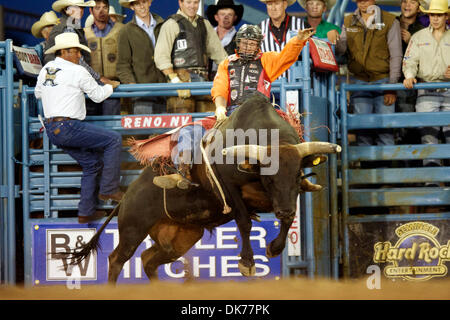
(43, 27)
(102, 37)
(229, 94)
(189, 49)
(136, 54)
(371, 38)
(61, 85)
(276, 29)
(70, 21)
(185, 43)
(427, 59)
(406, 99)
(113, 16)
(314, 12)
(224, 16)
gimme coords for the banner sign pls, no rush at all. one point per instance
(293, 238)
(151, 122)
(412, 251)
(27, 61)
(214, 257)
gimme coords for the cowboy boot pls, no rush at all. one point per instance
(182, 180)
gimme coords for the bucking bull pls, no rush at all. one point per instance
(175, 219)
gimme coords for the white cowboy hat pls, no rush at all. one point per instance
(49, 18)
(66, 40)
(290, 2)
(329, 3)
(112, 12)
(59, 5)
(126, 3)
(436, 6)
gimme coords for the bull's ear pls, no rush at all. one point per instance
(313, 160)
(248, 167)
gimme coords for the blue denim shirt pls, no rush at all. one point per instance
(102, 33)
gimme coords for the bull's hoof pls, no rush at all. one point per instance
(270, 253)
(247, 271)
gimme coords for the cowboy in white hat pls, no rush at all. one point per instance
(61, 85)
(427, 59)
(276, 29)
(43, 27)
(102, 37)
(314, 13)
(70, 21)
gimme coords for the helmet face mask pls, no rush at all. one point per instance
(248, 41)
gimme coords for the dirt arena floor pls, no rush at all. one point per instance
(285, 289)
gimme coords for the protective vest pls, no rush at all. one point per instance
(104, 51)
(368, 52)
(246, 77)
(189, 48)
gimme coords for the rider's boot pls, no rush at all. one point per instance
(182, 179)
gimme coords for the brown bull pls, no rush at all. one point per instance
(175, 219)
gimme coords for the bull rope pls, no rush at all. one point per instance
(165, 205)
(210, 174)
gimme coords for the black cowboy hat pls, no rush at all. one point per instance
(222, 4)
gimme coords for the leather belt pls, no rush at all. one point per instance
(199, 71)
(57, 119)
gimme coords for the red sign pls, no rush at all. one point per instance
(322, 56)
(150, 122)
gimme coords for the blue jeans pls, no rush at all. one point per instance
(433, 101)
(189, 142)
(365, 102)
(97, 150)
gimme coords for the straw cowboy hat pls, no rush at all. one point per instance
(222, 4)
(329, 3)
(112, 12)
(290, 2)
(66, 40)
(436, 6)
(59, 5)
(49, 18)
(126, 3)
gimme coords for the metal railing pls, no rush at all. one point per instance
(357, 182)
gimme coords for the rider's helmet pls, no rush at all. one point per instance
(248, 50)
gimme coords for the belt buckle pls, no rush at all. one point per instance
(441, 90)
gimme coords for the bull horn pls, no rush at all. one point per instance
(308, 148)
(250, 151)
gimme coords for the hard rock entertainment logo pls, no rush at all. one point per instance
(416, 256)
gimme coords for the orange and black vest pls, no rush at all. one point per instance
(246, 77)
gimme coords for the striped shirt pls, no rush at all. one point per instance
(270, 42)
